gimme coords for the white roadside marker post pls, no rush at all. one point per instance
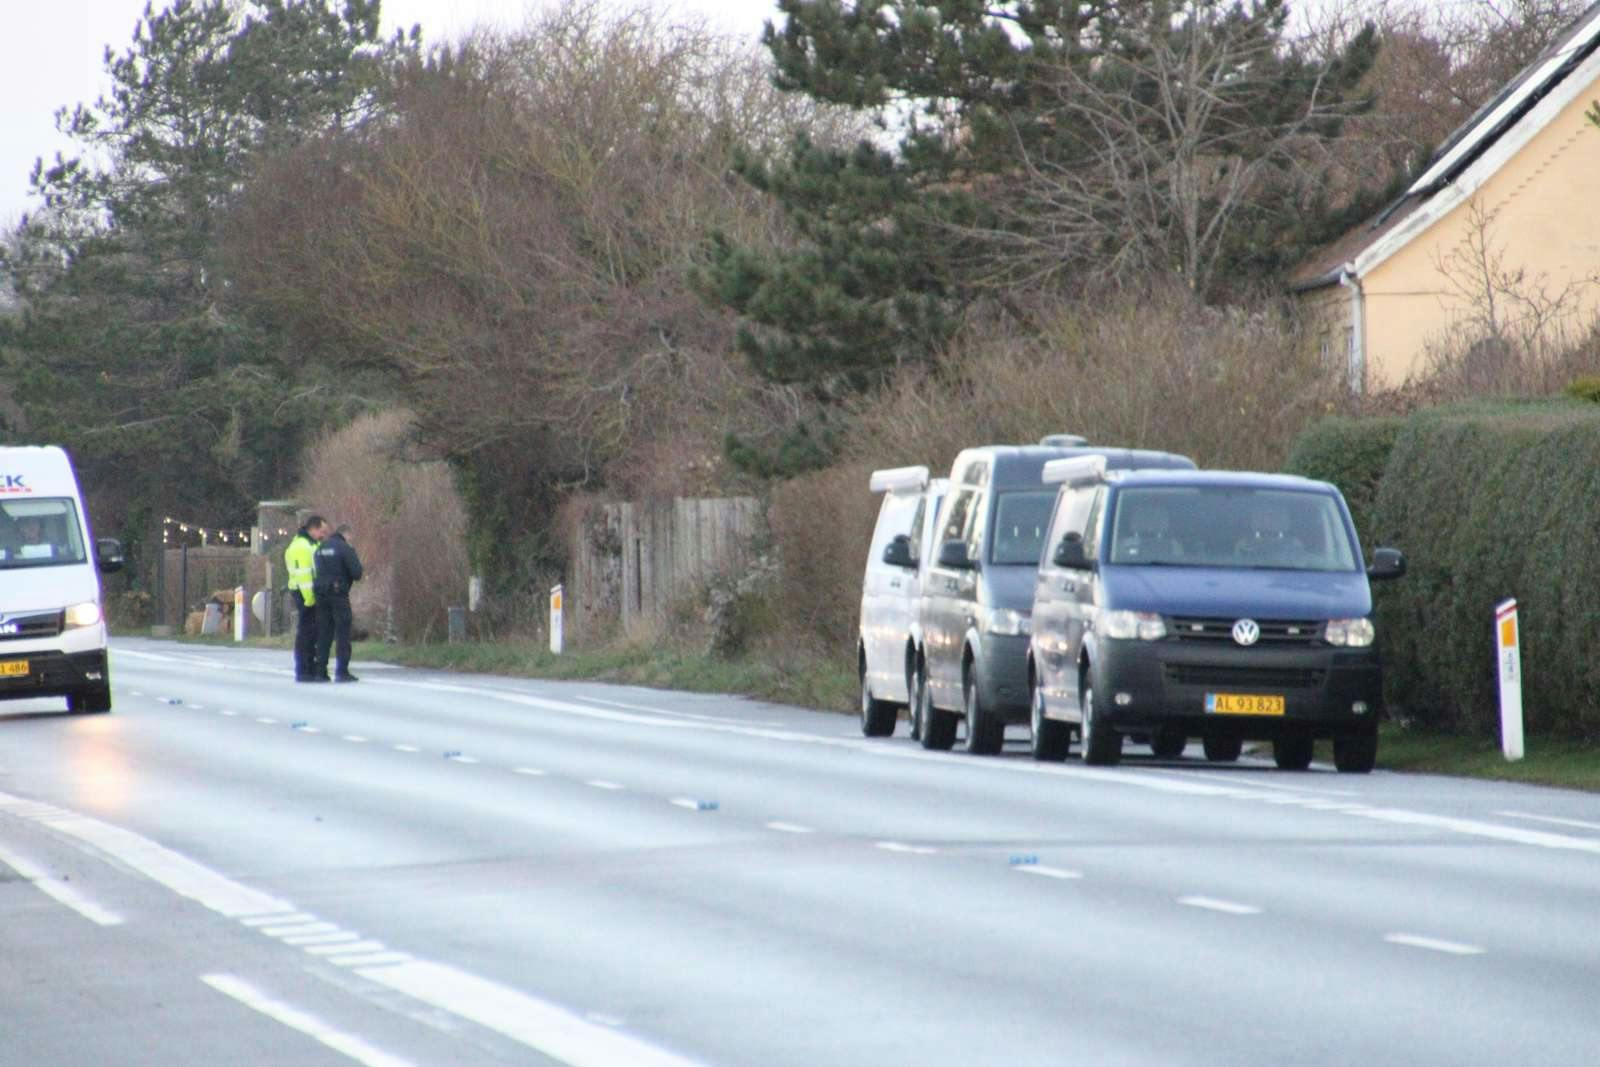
(555, 620)
(1509, 654)
(239, 613)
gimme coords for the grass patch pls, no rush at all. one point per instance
(1567, 764)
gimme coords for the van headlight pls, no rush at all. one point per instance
(1003, 622)
(1350, 633)
(1133, 625)
(85, 614)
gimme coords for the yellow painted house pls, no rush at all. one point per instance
(1512, 196)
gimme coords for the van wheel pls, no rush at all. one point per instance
(914, 709)
(1102, 746)
(1168, 743)
(986, 731)
(1293, 753)
(1222, 749)
(1356, 753)
(938, 727)
(877, 716)
(90, 701)
(1051, 740)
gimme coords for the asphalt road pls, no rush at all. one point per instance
(441, 869)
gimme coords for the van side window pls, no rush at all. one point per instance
(917, 522)
(1072, 516)
(957, 516)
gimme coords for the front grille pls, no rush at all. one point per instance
(1274, 632)
(27, 627)
(1220, 677)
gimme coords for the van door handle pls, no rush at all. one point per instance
(894, 583)
(1069, 585)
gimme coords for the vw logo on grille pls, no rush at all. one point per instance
(9, 629)
(1246, 631)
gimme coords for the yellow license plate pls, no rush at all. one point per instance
(1243, 704)
(12, 668)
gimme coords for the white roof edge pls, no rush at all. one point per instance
(1484, 167)
(1074, 470)
(898, 479)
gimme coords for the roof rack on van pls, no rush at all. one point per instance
(1075, 471)
(898, 479)
(1063, 440)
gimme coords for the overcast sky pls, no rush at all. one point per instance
(55, 57)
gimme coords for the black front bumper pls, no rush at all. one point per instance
(54, 674)
(1165, 683)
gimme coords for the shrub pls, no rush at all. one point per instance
(821, 525)
(1352, 454)
(1493, 500)
(1585, 387)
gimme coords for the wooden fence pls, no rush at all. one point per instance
(631, 562)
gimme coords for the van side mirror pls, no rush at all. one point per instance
(1387, 563)
(953, 554)
(1070, 553)
(897, 553)
(108, 555)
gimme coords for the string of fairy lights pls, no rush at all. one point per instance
(176, 533)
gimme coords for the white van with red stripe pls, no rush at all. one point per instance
(52, 625)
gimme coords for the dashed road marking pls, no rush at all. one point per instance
(407, 748)
(345, 950)
(1551, 819)
(601, 783)
(266, 721)
(344, 1043)
(1227, 907)
(463, 759)
(1048, 872)
(790, 828)
(371, 959)
(532, 772)
(901, 846)
(355, 739)
(1434, 944)
(60, 893)
(280, 919)
(294, 929)
(322, 939)
(229, 714)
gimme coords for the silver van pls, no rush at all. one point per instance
(902, 546)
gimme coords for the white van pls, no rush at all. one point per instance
(902, 544)
(52, 628)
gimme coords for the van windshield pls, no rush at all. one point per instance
(40, 532)
(1230, 526)
(1020, 522)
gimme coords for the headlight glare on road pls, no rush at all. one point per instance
(1133, 625)
(1007, 623)
(85, 614)
(1350, 633)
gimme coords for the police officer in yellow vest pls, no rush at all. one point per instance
(300, 559)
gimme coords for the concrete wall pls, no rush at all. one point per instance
(630, 562)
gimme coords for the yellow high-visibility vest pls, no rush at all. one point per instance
(299, 557)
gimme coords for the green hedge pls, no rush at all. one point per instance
(1352, 454)
(1488, 501)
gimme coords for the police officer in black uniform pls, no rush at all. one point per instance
(338, 568)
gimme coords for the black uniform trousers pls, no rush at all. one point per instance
(305, 637)
(333, 625)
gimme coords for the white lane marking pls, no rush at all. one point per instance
(1227, 907)
(308, 729)
(464, 759)
(1434, 944)
(136, 692)
(196, 707)
(290, 916)
(347, 1044)
(552, 1030)
(1551, 819)
(601, 783)
(901, 846)
(344, 950)
(178, 873)
(532, 772)
(265, 721)
(299, 928)
(1234, 779)
(28, 871)
(407, 748)
(371, 959)
(355, 739)
(1048, 872)
(322, 939)
(604, 1019)
(229, 714)
(790, 828)
(685, 802)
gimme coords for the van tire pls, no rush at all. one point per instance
(986, 731)
(1222, 749)
(1102, 746)
(1293, 752)
(938, 727)
(1052, 740)
(877, 716)
(90, 701)
(1356, 753)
